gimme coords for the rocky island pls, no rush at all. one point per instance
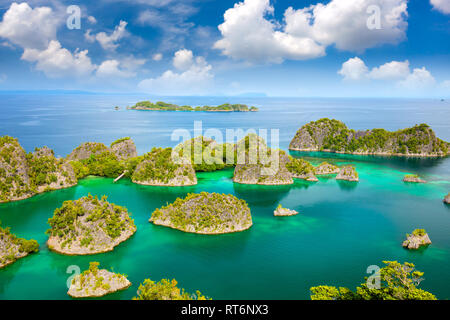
(413, 178)
(94, 283)
(259, 164)
(326, 168)
(301, 169)
(348, 173)
(205, 213)
(333, 136)
(284, 212)
(89, 226)
(13, 248)
(163, 106)
(158, 168)
(25, 175)
(417, 239)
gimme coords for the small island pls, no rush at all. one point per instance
(326, 168)
(348, 173)
(447, 199)
(414, 178)
(301, 169)
(94, 283)
(163, 106)
(330, 135)
(417, 239)
(205, 213)
(259, 164)
(89, 225)
(165, 290)
(284, 212)
(13, 248)
(158, 168)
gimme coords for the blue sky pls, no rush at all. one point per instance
(357, 48)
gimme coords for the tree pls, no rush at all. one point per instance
(397, 282)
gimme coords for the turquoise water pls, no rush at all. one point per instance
(342, 227)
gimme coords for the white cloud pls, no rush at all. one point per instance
(56, 61)
(183, 59)
(92, 20)
(193, 79)
(157, 57)
(27, 27)
(248, 34)
(419, 78)
(3, 77)
(108, 42)
(354, 69)
(391, 71)
(124, 68)
(441, 5)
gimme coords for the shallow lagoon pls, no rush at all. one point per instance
(342, 227)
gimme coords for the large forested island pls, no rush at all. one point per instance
(164, 106)
(334, 136)
(88, 226)
(205, 213)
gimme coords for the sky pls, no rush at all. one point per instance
(334, 48)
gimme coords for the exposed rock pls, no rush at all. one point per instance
(284, 212)
(159, 169)
(301, 169)
(334, 136)
(205, 213)
(348, 173)
(124, 148)
(326, 168)
(85, 150)
(94, 283)
(13, 248)
(259, 164)
(413, 178)
(50, 173)
(417, 239)
(447, 199)
(89, 226)
(15, 182)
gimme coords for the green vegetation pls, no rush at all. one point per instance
(14, 182)
(104, 164)
(206, 155)
(335, 136)
(165, 290)
(80, 218)
(397, 282)
(205, 213)
(119, 141)
(412, 176)
(163, 106)
(299, 167)
(13, 248)
(84, 279)
(418, 232)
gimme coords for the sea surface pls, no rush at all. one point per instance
(342, 229)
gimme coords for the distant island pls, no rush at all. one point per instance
(164, 106)
(330, 135)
